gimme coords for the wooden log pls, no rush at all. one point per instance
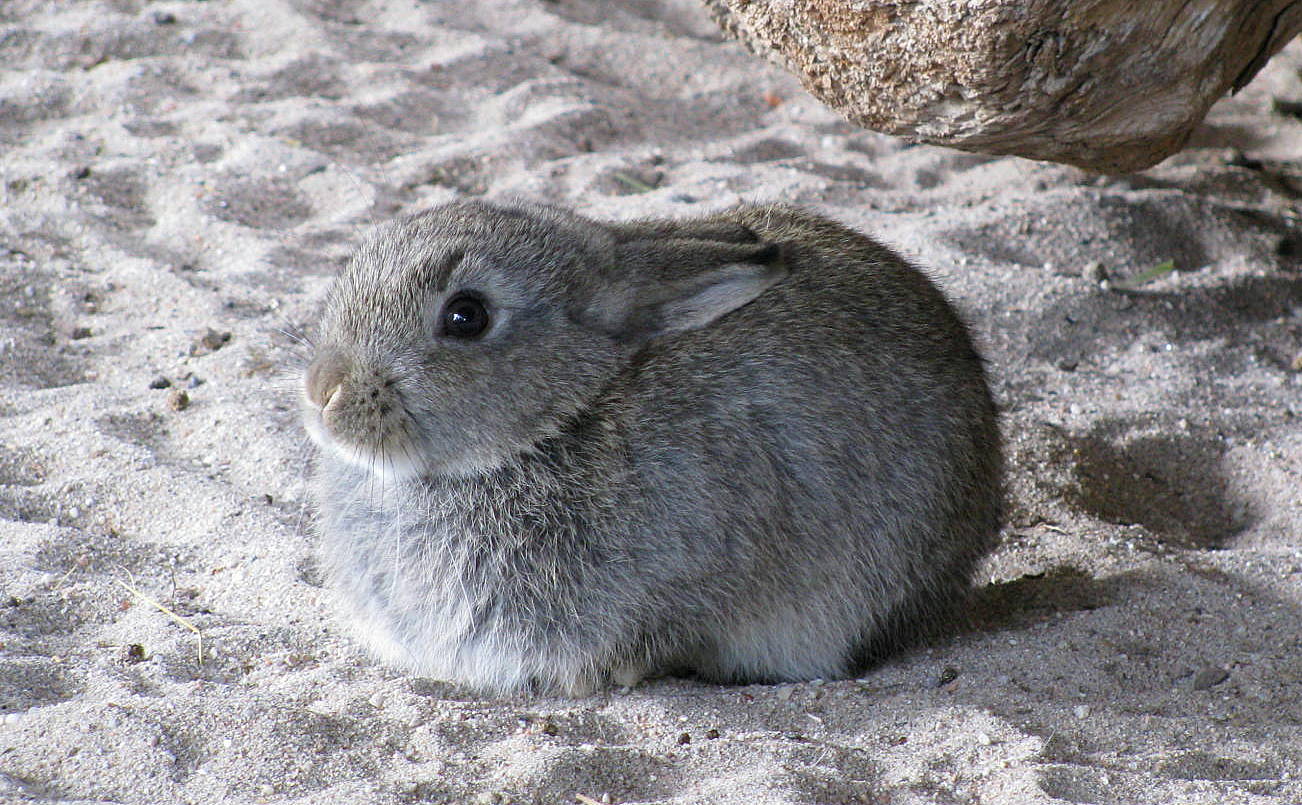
(1107, 85)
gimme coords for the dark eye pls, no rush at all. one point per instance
(464, 317)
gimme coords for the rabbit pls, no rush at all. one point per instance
(558, 454)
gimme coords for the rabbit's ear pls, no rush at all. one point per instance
(672, 285)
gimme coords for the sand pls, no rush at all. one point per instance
(181, 179)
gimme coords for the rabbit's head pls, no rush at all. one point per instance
(466, 335)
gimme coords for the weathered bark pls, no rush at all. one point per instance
(1107, 85)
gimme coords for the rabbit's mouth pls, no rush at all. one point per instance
(388, 465)
(359, 418)
(399, 462)
(365, 423)
(387, 457)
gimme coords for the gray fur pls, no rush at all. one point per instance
(756, 446)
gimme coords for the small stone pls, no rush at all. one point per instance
(946, 676)
(1284, 106)
(81, 172)
(133, 654)
(1210, 677)
(1238, 159)
(712, 734)
(983, 739)
(163, 18)
(1067, 365)
(160, 382)
(684, 738)
(1095, 272)
(178, 400)
(549, 728)
(210, 341)
(1081, 711)
(78, 333)
(784, 692)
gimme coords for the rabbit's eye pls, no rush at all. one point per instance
(464, 317)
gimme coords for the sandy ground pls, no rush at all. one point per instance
(180, 180)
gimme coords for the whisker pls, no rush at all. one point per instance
(306, 449)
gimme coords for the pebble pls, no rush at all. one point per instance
(1209, 677)
(1081, 711)
(983, 739)
(178, 400)
(159, 382)
(784, 692)
(210, 341)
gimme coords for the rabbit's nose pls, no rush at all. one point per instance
(324, 377)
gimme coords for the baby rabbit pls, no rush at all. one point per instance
(558, 453)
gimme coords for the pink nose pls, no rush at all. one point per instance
(324, 377)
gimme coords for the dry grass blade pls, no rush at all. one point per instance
(636, 184)
(1144, 277)
(156, 604)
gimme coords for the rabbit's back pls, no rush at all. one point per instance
(833, 444)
